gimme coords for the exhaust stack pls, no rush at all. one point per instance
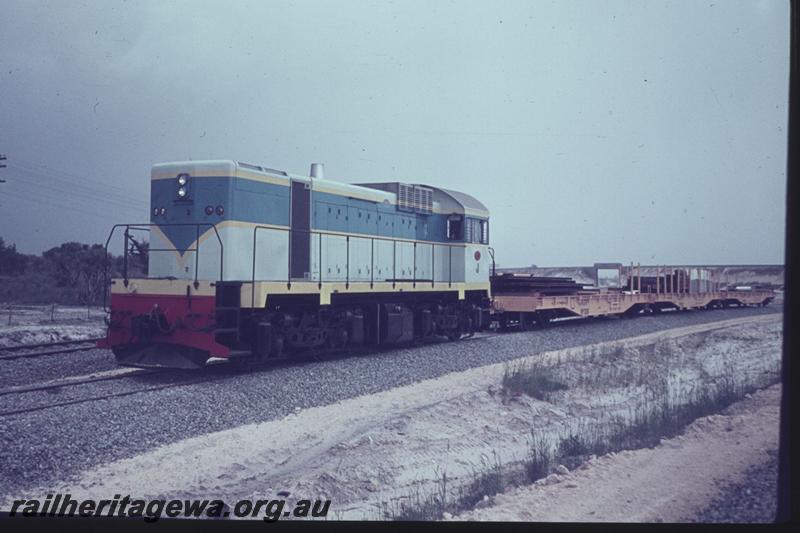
(317, 171)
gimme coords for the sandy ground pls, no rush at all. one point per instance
(669, 483)
(37, 324)
(368, 451)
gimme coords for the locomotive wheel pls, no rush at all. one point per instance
(277, 346)
(470, 329)
(454, 334)
(338, 339)
(243, 364)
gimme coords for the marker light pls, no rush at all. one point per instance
(182, 179)
(182, 192)
(209, 210)
(220, 210)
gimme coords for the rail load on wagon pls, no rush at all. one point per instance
(524, 301)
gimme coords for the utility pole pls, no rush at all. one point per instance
(2, 165)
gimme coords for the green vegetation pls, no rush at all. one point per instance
(532, 379)
(69, 274)
(539, 461)
(485, 481)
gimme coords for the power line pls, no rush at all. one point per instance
(20, 195)
(99, 192)
(80, 178)
(71, 198)
(76, 192)
(65, 195)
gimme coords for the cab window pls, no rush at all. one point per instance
(476, 231)
(455, 228)
(484, 232)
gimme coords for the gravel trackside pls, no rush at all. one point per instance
(753, 500)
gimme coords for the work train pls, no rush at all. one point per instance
(251, 263)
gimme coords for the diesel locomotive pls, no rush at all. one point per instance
(251, 263)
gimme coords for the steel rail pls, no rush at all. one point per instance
(75, 381)
(25, 355)
(46, 344)
(99, 397)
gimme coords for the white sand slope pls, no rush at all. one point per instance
(669, 483)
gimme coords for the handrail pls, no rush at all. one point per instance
(146, 227)
(347, 236)
(321, 233)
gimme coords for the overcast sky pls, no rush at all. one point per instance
(651, 131)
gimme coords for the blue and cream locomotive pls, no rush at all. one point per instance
(251, 263)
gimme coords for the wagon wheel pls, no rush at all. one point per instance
(542, 320)
(503, 323)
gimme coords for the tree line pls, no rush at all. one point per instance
(70, 274)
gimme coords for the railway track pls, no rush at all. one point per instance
(97, 397)
(117, 374)
(77, 380)
(124, 373)
(36, 350)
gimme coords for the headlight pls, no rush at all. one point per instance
(182, 192)
(220, 210)
(155, 211)
(209, 210)
(163, 211)
(182, 179)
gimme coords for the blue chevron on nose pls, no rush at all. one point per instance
(182, 237)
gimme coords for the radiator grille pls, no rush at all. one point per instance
(415, 198)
